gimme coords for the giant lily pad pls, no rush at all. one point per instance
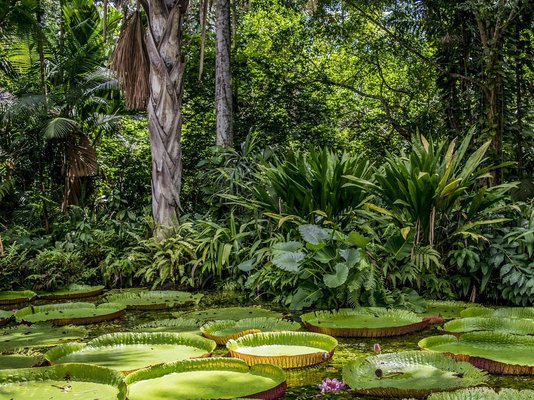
(153, 300)
(514, 326)
(223, 331)
(68, 381)
(38, 336)
(497, 353)
(364, 322)
(214, 378)
(13, 361)
(130, 351)
(446, 309)
(505, 312)
(484, 394)
(16, 297)
(286, 349)
(70, 313)
(5, 316)
(73, 291)
(171, 325)
(233, 313)
(410, 373)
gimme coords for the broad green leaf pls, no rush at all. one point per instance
(288, 261)
(338, 278)
(358, 239)
(314, 234)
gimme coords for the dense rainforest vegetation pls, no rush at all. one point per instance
(311, 153)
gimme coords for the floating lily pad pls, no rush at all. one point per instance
(16, 297)
(223, 331)
(5, 317)
(286, 349)
(171, 325)
(213, 378)
(154, 300)
(70, 313)
(68, 381)
(38, 336)
(364, 322)
(446, 309)
(505, 312)
(484, 394)
(13, 361)
(497, 353)
(73, 291)
(233, 313)
(130, 351)
(410, 373)
(514, 326)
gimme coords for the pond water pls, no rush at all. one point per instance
(302, 382)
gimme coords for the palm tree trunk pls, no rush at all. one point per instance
(223, 76)
(164, 41)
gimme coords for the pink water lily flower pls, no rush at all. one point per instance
(331, 385)
(377, 348)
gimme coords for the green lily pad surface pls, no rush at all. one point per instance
(68, 381)
(214, 378)
(233, 313)
(222, 331)
(16, 297)
(70, 313)
(484, 394)
(446, 309)
(505, 312)
(286, 349)
(153, 300)
(38, 336)
(73, 291)
(171, 325)
(5, 316)
(130, 351)
(496, 352)
(12, 361)
(364, 322)
(410, 373)
(514, 326)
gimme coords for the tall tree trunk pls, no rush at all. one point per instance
(223, 76)
(164, 43)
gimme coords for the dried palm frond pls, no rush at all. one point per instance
(131, 64)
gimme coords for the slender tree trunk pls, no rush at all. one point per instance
(223, 76)
(164, 42)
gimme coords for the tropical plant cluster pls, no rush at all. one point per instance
(381, 152)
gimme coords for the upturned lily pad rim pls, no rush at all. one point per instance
(326, 346)
(154, 299)
(483, 393)
(212, 329)
(214, 364)
(413, 322)
(490, 363)
(187, 324)
(112, 311)
(5, 317)
(221, 311)
(502, 312)
(76, 372)
(16, 297)
(369, 384)
(515, 326)
(74, 291)
(132, 338)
